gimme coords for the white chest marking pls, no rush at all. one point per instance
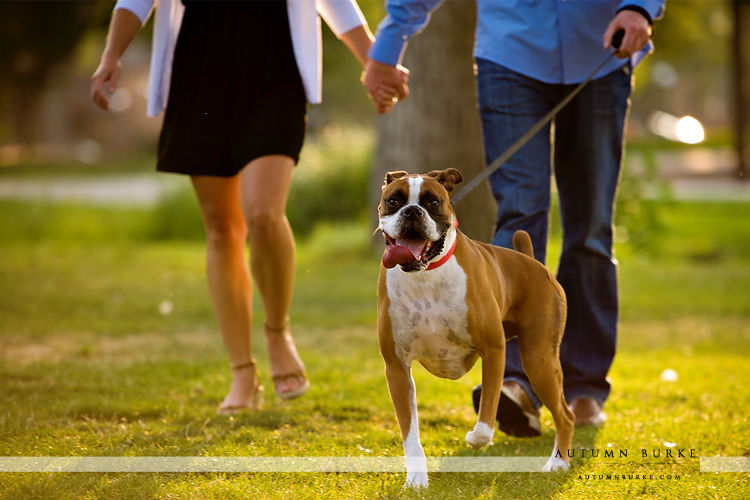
(429, 316)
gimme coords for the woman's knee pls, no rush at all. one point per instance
(265, 222)
(225, 231)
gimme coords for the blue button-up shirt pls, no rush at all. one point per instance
(554, 41)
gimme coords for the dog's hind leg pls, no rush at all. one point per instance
(541, 362)
(403, 394)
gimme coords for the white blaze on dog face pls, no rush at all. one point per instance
(415, 188)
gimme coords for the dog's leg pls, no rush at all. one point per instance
(541, 362)
(493, 368)
(404, 397)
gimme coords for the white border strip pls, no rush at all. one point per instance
(725, 464)
(266, 464)
(306, 464)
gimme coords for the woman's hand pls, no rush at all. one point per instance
(106, 75)
(122, 30)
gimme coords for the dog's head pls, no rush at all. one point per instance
(416, 216)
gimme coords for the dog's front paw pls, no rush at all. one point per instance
(556, 464)
(416, 471)
(416, 480)
(480, 436)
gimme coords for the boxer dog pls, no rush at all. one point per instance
(445, 300)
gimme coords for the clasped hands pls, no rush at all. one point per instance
(386, 84)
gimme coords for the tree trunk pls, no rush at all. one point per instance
(742, 84)
(438, 126)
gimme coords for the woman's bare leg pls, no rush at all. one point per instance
(265, 188)
(228, 275)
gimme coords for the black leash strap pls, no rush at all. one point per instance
(473, 183)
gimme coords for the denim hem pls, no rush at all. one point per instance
(598, 396)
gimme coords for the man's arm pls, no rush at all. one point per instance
(404, 19)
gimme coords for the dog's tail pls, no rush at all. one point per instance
(522, 243)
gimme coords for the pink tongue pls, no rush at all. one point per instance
(415, 246)
(402, 251)
(395, 255)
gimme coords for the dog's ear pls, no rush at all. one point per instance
(392, 176)
(448, 177)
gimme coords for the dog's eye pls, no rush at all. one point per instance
(393, 202)
(433, 203)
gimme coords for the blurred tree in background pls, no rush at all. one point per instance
(49, 49)
(690, 72)
(36, 37)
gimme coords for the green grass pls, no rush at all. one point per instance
(89, 366)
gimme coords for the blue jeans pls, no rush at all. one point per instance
(585, 147)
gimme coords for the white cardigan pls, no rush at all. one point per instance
(304, 25)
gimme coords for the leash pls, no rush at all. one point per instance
(492, 167)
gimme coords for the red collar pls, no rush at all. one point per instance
(435, 265)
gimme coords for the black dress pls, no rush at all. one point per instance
(235, 92)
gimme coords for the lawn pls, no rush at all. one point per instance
(108, 348)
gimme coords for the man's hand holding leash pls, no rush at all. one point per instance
(637, 30)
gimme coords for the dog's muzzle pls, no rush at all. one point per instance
(412, 251)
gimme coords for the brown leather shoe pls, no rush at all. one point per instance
(588, 412)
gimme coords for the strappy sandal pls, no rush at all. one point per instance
(254, 402)
(280, 378)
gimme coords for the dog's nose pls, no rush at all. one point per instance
(413, 212)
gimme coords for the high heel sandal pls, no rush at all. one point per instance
(254, 402)
(279, 378)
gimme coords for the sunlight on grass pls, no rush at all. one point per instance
(91, 366)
